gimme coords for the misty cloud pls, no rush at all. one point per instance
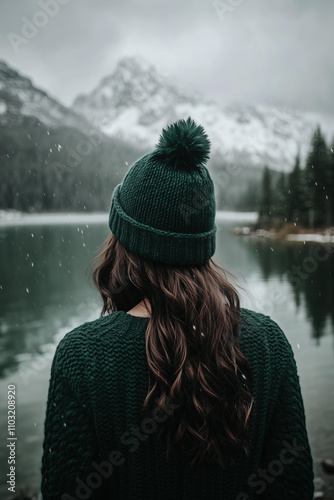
(269, 52)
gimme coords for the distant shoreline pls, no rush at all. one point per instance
(288, 233)
(11, 218)
(16, 218)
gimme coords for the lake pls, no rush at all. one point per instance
(45, 293)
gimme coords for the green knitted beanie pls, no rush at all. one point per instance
(165, 208)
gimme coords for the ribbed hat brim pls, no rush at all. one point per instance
(156, 244)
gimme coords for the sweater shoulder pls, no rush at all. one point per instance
(76, 346)
(262, 336)
(88, 330)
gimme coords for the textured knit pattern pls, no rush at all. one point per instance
(96, 446)
(164, 209)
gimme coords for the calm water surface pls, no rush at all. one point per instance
(44, 293)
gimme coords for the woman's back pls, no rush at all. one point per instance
(200, 399)
(101, 370)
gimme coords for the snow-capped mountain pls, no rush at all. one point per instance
(135, 102)
(19, 97)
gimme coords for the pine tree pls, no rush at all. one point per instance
(316, 176)
(265, 208)
(296, 193)
(279, 208)
(331, 183)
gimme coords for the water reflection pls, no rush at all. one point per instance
(43, 285)
(44, 294)
(309, 270)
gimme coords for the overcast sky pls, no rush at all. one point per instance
(276, 52)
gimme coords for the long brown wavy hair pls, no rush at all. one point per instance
(193, 355)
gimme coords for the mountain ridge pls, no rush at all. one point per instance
(20, 97)
(135, 101)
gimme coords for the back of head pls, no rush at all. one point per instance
(162, 220)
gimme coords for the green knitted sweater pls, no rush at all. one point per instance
(96, 447)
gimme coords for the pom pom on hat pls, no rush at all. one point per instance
(183, 145)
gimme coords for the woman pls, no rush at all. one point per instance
(175, 392)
